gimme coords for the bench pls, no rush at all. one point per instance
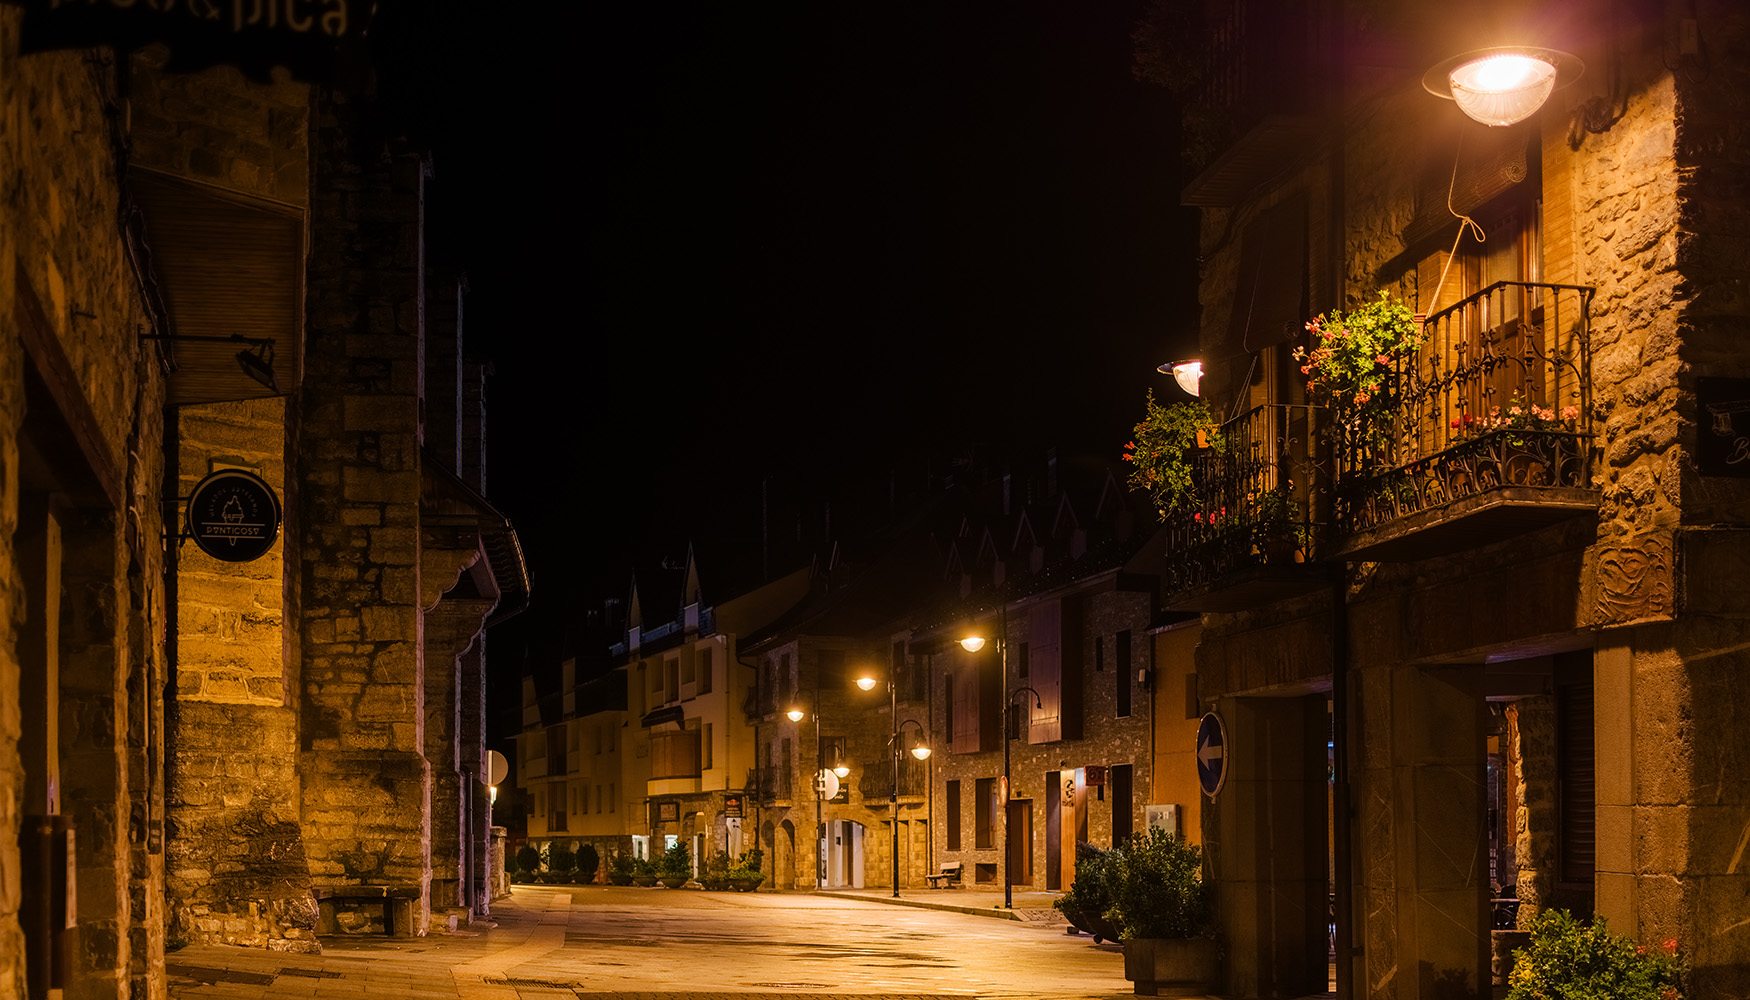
(397, 902)
(947, 878)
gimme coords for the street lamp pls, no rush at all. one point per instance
(867, 682)
(796, 713)
(972, 644)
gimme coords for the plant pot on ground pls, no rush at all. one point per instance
(620, 868)
(1088, 898)
(745, 875)
(675, 867)
(1161, 907)
(643, 872)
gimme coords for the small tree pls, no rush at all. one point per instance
(563, 862)
(676, 862)
(588, 862)
(528, 860)
(748, 865)
(620, 863)
(1157, 888)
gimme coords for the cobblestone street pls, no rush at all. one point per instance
(600, 942)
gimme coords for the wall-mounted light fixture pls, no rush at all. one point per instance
(1503, 85)
(256, 359)
(1189, 374)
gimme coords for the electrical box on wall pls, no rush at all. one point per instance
(1164, 818)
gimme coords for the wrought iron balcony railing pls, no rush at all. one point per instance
(1499, 395)
(1257, 498)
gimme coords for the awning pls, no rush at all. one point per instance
(228, 265)
(673, 713)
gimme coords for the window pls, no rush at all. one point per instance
(786, 694)
(556, 803)
(948, 700)
(954, 815)
(598, 796)
(674, 754)
(556, 750)
(687, 674)
(705, 749)
(1121, 663)
(707, 667)
(613, 801)
(673, 667)
(788, 767)
(984, 806)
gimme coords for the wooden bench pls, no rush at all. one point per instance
(397, 902)
(947, 878)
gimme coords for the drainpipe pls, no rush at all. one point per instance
(1348, 951)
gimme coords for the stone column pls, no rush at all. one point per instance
(1269, 847)
(450, 630)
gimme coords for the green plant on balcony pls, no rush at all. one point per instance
(1160, 451)
(1350, 360)
(1277, 525)
(1518, 414)
(1573, 961)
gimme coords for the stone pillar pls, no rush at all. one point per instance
(367, 784)
(1268, 849)
(1425, 872)
(450, 630)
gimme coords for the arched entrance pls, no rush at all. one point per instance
(784, 855)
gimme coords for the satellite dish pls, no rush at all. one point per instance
(497, 768)
(827, 783)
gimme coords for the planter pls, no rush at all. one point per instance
(1089, 923)
(746, 884)
(615, 878)
(714, 883)
(644, 880)
(672, 881)
(1172, 967)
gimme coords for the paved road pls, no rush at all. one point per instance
(595, 943)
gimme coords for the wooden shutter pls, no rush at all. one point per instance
(990, 701)
(965, 709)
(953, 806)
(1045, 630)
(1576, 822)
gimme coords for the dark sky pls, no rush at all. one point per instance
(709, 243)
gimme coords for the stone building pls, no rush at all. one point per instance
(1497, 649)
(219, 291)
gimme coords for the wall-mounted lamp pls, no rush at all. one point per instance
(867, 683)
(256, 359)
(972, 643)
(1503, 85)
(1189, 374)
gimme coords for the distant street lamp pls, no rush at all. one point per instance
(972, 644)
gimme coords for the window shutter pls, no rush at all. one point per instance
(1575, 800)
(965, 708)
(1045, 716)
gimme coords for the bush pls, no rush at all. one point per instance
(1568, 960)
(675, 862)
(718, 863)
(642, 866)
(621, 863)
(588, 862)
(528, 859)
(748, 865)
(1156, 886)
(561, 859)
(1090, 893)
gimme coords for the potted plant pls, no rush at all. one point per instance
(588, 862)
(675, 867)
(1085, 902)
(1569, 959)
(563, 862)
(716, 877)
(1162, 447)
(528, 862)
(643, 872)
(620, 868)
(1350, 365)
(1161, 908)
(745, 875)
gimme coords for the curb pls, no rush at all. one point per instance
(977, 911)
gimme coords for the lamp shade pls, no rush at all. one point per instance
(1502, 86)
(866, 683)
(795, 714)
(841, 770)
(921, 753)
(972, 643)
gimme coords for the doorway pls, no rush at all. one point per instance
(1018, 855)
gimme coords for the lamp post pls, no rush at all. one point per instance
(867, 682)
(972, 644)
(796, 712)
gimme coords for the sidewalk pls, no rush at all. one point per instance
(1030, 906)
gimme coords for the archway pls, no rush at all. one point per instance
(784, 855)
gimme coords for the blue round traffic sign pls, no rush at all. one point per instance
(1211, 754)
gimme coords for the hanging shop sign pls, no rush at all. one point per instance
(233, 516)
(732, 806)
(253, 35)
(1723, 409)
(1211, 754)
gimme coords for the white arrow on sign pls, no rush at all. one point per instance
(1209, 753)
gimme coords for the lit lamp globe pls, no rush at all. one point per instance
(921, 753)
(866, 683)
(1502, 86)
(1189, 375)
(972, 643)
(795, 714)
(841, 770)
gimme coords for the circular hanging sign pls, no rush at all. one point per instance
(234, 516)
(1211, 754)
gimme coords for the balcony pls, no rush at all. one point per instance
(1249, 537)
(1488, 432)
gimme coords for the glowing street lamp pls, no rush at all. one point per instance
(1503, 85)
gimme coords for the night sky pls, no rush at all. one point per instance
(708, 244)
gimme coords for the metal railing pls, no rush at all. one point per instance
(1498, 394)
(1255, 500)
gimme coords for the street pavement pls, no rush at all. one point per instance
(613, 943)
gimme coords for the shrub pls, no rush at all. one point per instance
(1568, 960)
(718, 863)
(621, 863)
(748, 865)
(642, 866)
(589, 860)
(1089, 894)
(676, 861)
(528, 859)
(1156, 886)
(561, 859)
